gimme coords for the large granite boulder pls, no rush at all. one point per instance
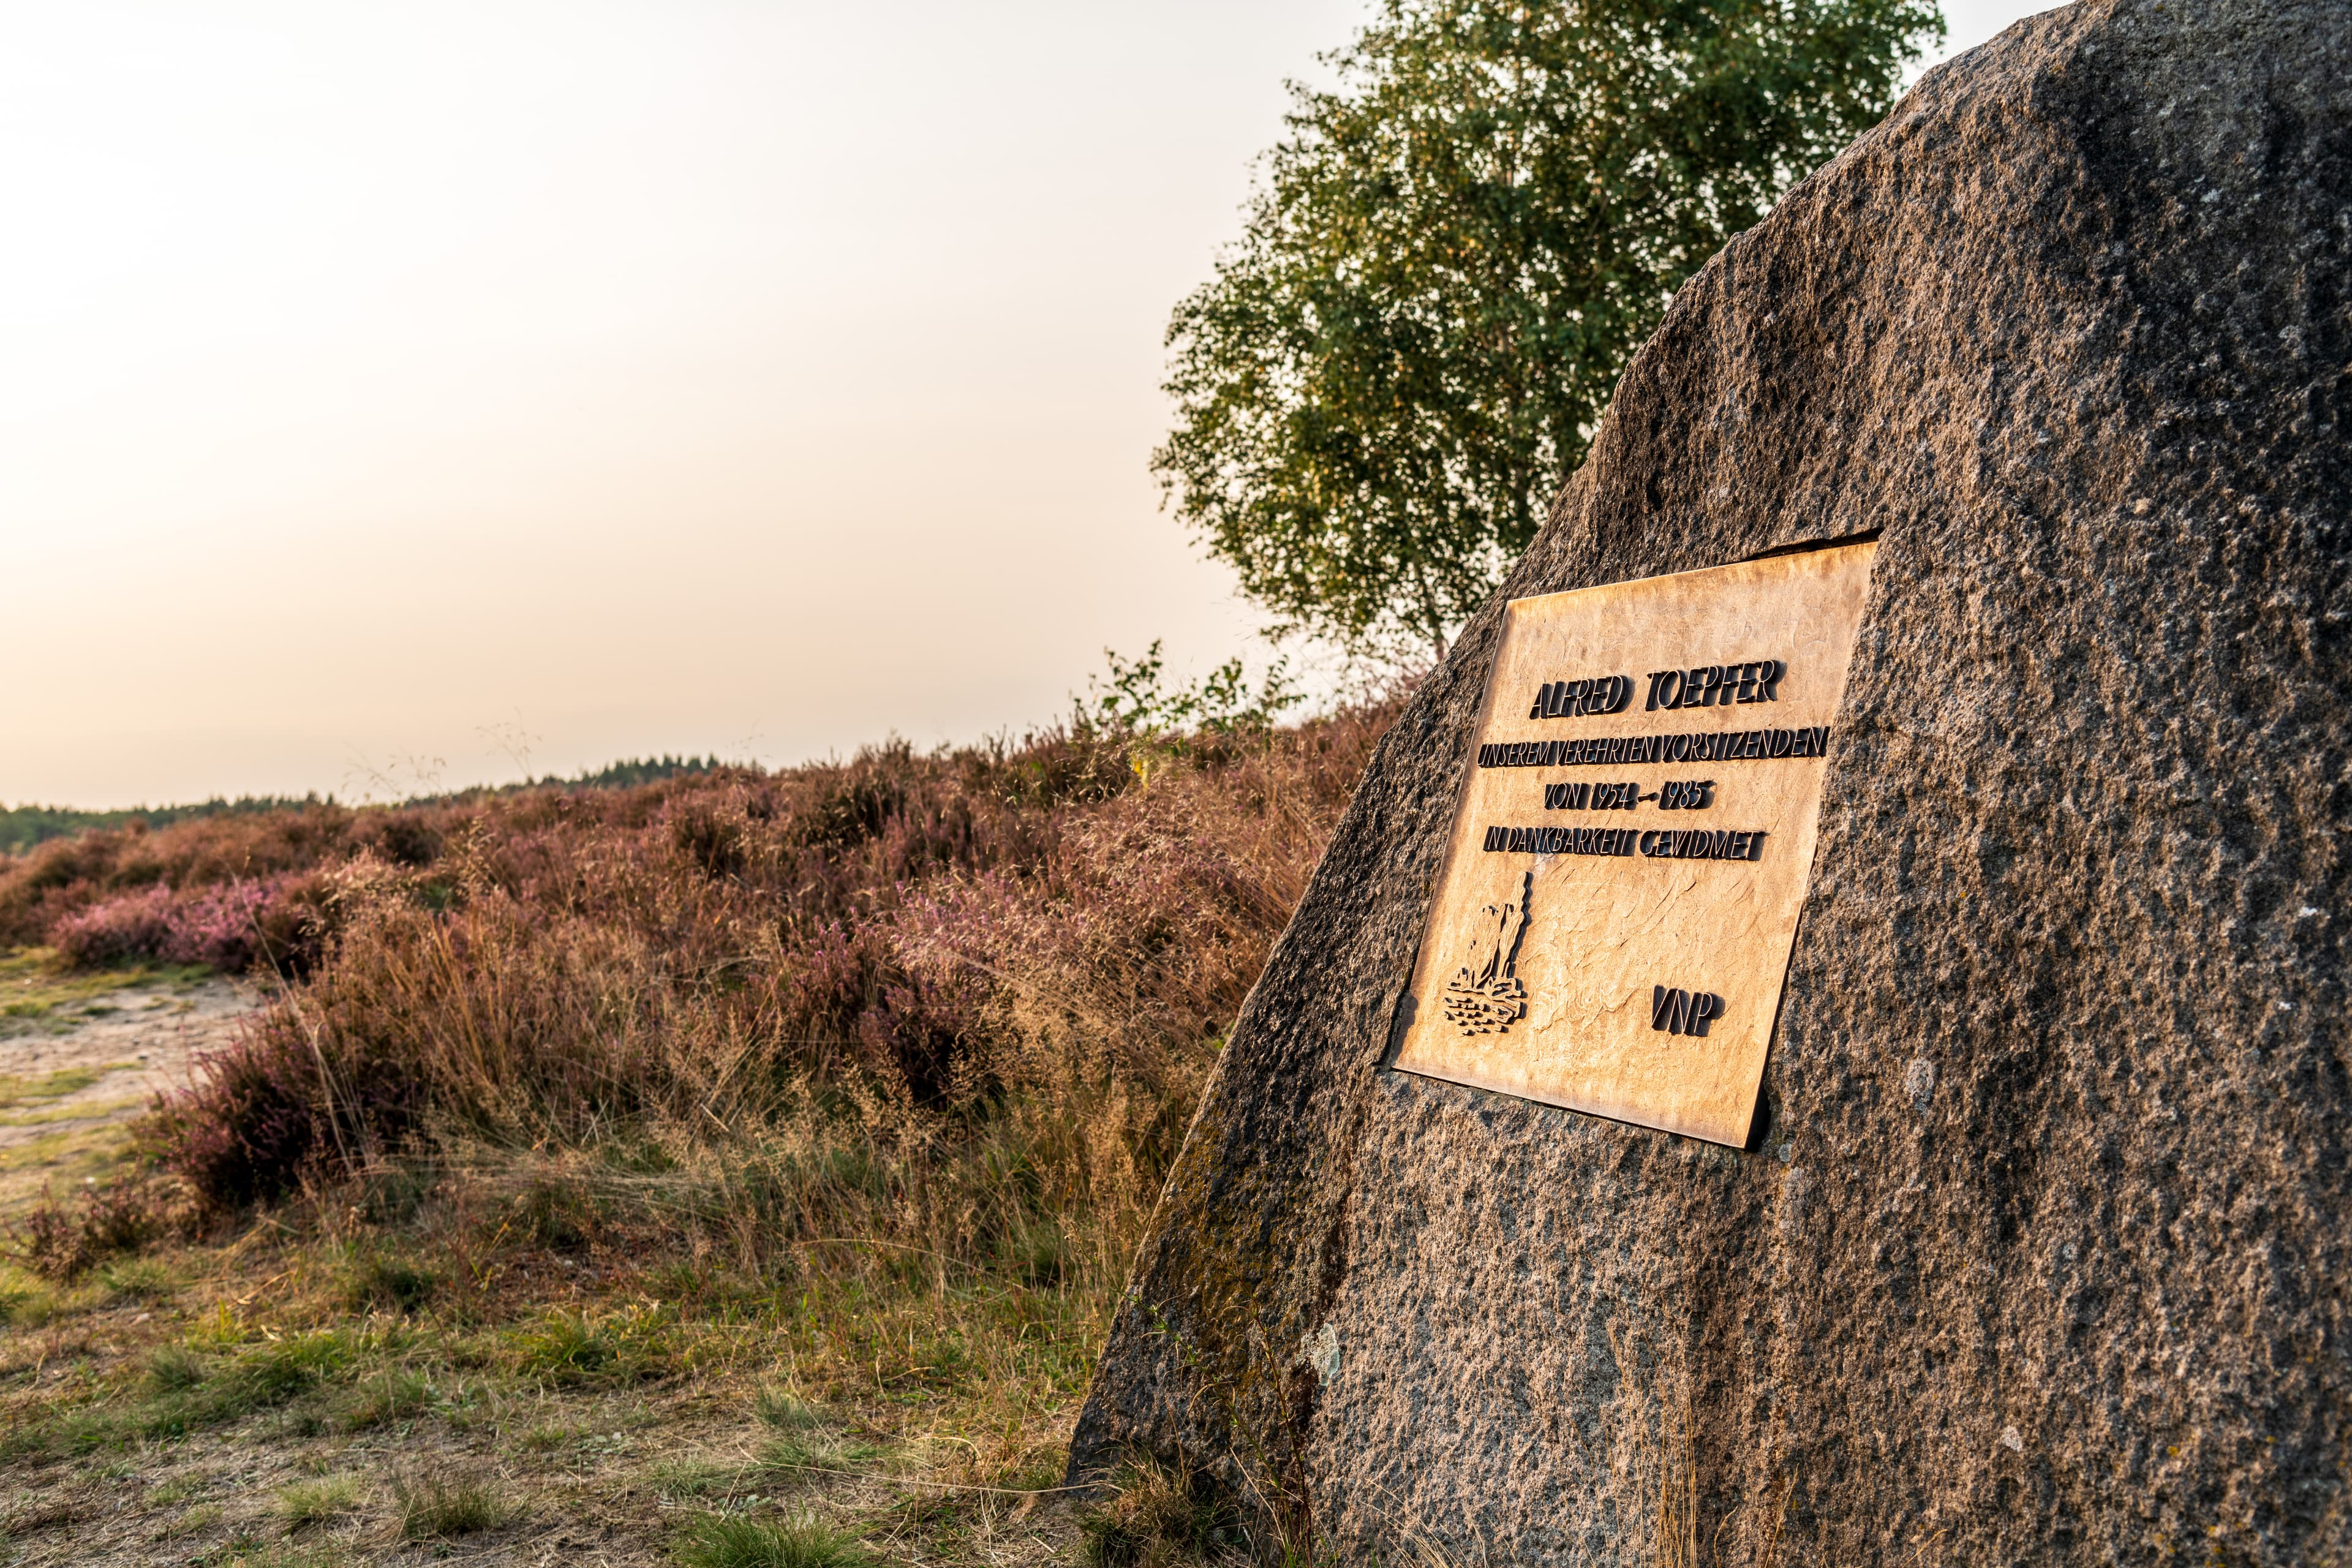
(2040, 1256)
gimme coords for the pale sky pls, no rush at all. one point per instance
(389, 393)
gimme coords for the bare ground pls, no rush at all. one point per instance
(81, 1056)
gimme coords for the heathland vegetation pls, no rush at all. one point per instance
(824, 1105)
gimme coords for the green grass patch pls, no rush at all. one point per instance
(139, 1279)
(442, 1506)
(721, 1541)
(81, 1111)
(187, 1389)
(393, 1394)
(16, 1091)
(314, 1502)
(564, 1349)
(176, 1369)
(173, 1491)
(276, 1370)
(29, 1301)
(77, 1154)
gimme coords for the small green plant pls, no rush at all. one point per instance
(311, 1503)
(433, 1506)
(722, 1541)
(1133, 701)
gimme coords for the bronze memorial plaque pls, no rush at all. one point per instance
(1612, 924)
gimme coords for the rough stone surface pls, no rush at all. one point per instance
(2042, 1258)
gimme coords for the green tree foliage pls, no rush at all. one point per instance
(1452, 257)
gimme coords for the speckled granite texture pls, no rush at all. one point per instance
(2041, 1259)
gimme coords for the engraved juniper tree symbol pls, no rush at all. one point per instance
(1491, 998)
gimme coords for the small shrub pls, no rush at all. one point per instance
(226, 927)
(60, 1244)
(136, 925)
(721, 1542)
(444, 1506)
(309, 1502)
(554, 1214)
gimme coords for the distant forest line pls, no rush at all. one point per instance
(24, 827)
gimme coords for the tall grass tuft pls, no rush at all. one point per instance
(440, 1505)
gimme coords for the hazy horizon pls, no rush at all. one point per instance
(523, 387)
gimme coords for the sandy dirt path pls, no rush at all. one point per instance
(73, 1076)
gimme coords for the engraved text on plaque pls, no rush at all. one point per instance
(1633, 843)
